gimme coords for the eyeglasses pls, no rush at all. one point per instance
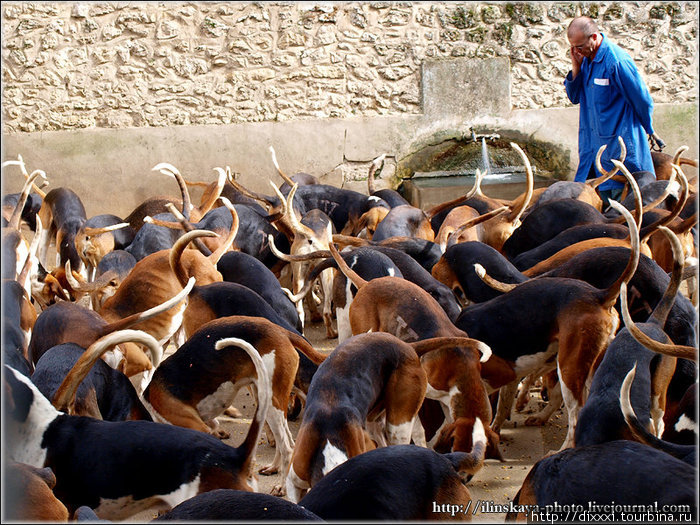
(580, 47)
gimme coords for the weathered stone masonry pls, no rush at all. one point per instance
(69, 65)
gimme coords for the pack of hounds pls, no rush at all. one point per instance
(120, 354)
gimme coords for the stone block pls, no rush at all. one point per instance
(467, 87)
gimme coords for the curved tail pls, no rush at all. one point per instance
(172, 171)
(175, 257)
(436, 343)
(264, 394)
(301, 344)
(469, 463)
(351, 274)
(641, 433)
(64, 398)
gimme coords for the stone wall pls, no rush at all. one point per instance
(114, 65)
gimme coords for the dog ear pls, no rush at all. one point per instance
(42, 273)
(18, 396)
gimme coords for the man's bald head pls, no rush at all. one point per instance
(583, 26)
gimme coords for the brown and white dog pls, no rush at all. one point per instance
(405, 310)
(367, 378)
(364, 377)
(122, 468)
(312, 233)
(197, 383)
(573, 325)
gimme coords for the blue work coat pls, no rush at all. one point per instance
(613, 101)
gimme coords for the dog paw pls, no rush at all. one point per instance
(269, 470)
(278, 490)
(221, 434)
(233, 412)
(534, 421)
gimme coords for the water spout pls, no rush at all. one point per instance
(485, 156)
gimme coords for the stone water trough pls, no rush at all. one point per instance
(446, 169)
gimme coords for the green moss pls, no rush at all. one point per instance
(525, 13)
(658, 12)
(613, 12)
(591, 10)
(476, 35)
(463, 18)
(502, 33)
(490, 14)
(451, 151)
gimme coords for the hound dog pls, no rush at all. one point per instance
(197, 382)
(313, 232)
(400, 307)
(365, 376)
(122, 468)
(399, 483)
(573, 323)
(62, 215)
(600, 418)
(634, 474)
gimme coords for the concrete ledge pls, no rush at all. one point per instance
(111, 169)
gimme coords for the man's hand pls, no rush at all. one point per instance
(576, 59)
(655, 142)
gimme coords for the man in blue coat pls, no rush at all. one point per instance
(613, 101)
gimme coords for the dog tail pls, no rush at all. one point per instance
(679, 161)
(641, 433)
(170, 170)
(288, 257)
(64, 398)
(212, 192)
(351, 274)
(284, 176)
(662, 309)
(377, 164)
(469, 463)
(224, 247)
(175, 258)
(348, 240)
(611, 294)
(436, 343)
(517, 213)
(305, 348)
(16, 216)
(264, 394)
(133, 319)
(475, 190)
(497, 285)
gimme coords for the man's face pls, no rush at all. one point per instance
(582, 45)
